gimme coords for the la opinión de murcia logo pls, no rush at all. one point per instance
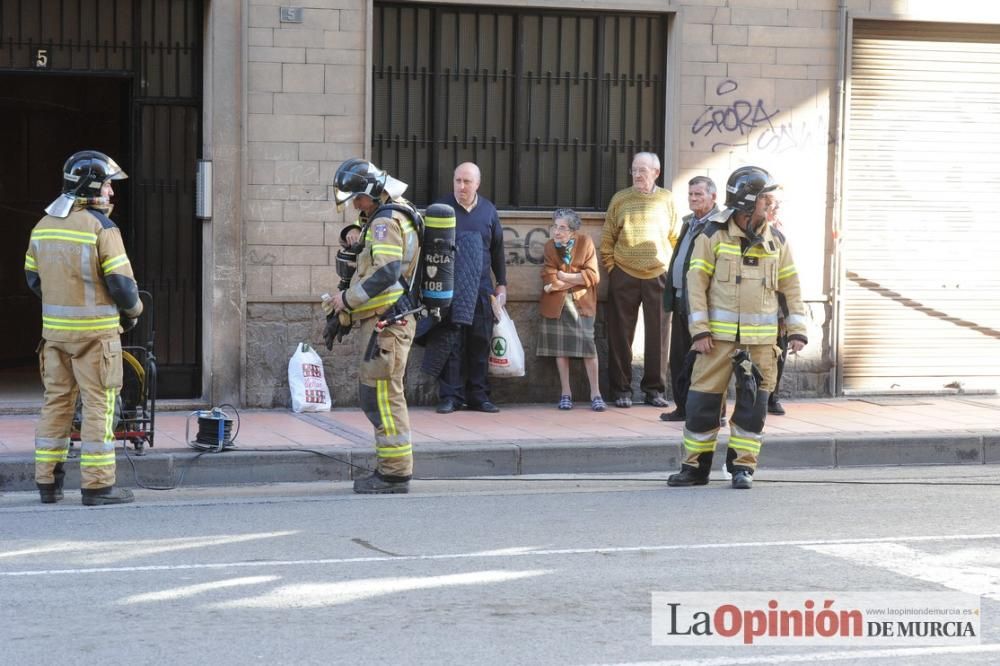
(796, 618)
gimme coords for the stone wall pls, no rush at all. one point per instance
(305, 115)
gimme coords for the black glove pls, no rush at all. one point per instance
(331, 330)
(334, 330)
(127, 323)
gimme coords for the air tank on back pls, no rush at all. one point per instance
(438, 279)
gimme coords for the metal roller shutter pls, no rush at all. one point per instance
(921, 294)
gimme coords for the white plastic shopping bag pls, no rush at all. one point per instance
(506, 352)
(307, 381)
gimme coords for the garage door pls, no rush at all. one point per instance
(921, 298)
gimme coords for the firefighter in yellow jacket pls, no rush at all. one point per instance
(738, 267)
(76, 263)
(379, 290)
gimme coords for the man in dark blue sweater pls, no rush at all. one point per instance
(463, 381)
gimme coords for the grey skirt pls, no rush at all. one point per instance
(570, 335)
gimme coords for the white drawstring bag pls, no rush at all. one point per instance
(506, 352)
(307, 382)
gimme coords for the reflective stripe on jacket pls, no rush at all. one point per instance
(733, 292)
(391, 244)
(69, 260)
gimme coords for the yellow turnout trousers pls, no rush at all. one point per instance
(709, 382)
(380, 390)
(92, 368)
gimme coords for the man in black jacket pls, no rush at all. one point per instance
(701, 201)
(463, 381)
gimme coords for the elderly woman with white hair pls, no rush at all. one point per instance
(568, 304)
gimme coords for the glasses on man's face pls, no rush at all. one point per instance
(641, 171)
(560, 228)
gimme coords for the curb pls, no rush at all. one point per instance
(509, 458)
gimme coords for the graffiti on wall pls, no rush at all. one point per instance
(753, 125)
(524, 246)
(731, 125)
(787, 136)
(263, 259)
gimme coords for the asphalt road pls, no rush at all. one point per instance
(518, 571)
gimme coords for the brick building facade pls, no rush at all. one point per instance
(289, 93)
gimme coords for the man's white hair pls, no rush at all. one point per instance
(650, 157)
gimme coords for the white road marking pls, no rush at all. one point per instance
(806, 657)
(126, 550)
(323, 595)
(509, 553)
(966, 570)
(195, 590)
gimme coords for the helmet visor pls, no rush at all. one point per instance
(115, 172)
(341, 197)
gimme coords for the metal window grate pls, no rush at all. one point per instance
(551, 105)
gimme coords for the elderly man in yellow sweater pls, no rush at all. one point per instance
(640, 230)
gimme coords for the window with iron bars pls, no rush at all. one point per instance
(551, 105)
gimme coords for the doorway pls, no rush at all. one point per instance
(124, 79)
(43, 120)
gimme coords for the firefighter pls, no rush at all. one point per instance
(738, 267)
(76, 263)
(379, 290)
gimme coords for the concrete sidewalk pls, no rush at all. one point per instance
(278, 445)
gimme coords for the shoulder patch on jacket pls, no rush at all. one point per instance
(105, 221)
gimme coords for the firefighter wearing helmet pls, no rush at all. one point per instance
(77, 265)
(379, 287)
(738, 267)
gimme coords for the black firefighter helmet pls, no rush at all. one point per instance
(84, 174)
(357, 176)
(745, 185)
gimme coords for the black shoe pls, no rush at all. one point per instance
(688, 476)
(376, 484)
(108, 495)
(774, 407)
(743, 480)
(50, 493)
(487, 407)
(676, 415)
(448, 405)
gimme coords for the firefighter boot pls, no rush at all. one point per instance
(53, 492)
(377, 484)
(106, 495)
(692, 475)
(742, 477)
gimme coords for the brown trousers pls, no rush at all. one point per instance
(380, 390)
(92, 368)
(625, 294)
(711, 375)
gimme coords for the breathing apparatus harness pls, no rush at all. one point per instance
(429, 287)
